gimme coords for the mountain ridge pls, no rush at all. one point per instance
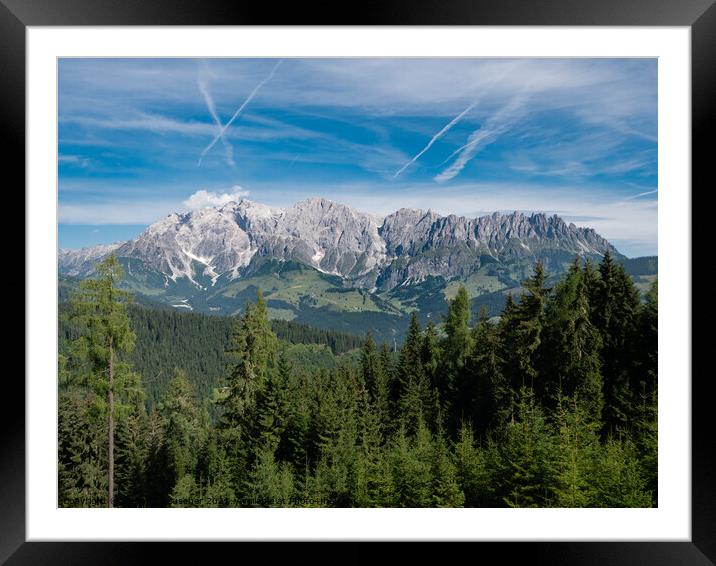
(331, 266)
(366, 250)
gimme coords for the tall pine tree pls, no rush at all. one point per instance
(615, 311)
(100, 308)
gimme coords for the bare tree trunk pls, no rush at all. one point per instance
(110, 454)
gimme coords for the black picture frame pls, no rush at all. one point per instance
(17, 15)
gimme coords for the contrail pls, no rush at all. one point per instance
(239, 110)
(642, 194)
(435, 138)
(500, 122)
(204, 88)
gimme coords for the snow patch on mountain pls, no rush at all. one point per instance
(368, 250)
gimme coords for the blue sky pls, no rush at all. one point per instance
(140, 138)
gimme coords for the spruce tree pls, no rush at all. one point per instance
(415, 404)
(385, 401)
(410, 359)
(577, 448)
(430, 353)
(457, 327)
(508, 337)
(646, 359)
(569, 355)
(271, 408)
(252, 351)
(526, 466)
(531, 321)
(100, 307)
(294, 446)
(445, 488)
(181, 417)
(371, 478)
(220, 488)
(185, 493)
(157, 475)
(412, 397)
(455, 349)
(617, 478)
(471, 470)
(591, 279)
(616, 305)
(484, 382)
(82, 451)
(270, 484)
(646, 438)
(338, 437)
(411, 469)
(131, 455)
(370, 364)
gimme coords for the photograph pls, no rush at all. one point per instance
(357, 282)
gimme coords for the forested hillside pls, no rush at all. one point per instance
(555, 405)
(167, 340)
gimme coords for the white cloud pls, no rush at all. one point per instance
(76, 160)
(143, 122)
(143, 212)
(203, 199)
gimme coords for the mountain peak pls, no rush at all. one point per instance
(320, 203)
(407, 245)
(77, 262)
(316, 200)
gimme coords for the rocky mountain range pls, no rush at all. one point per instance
(365, 250)
(329, 265)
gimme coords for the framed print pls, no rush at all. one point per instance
(394, 279)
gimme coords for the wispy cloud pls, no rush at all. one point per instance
(203, 85)
(203, 199)
(435, 138)
(239, 110)
(497, 124)
(76, 160)
(154, 123)
(260, 128)
(645, 193)
(112, 212)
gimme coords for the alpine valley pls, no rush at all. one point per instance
(331, 266)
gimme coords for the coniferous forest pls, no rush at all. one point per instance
(551, 404)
